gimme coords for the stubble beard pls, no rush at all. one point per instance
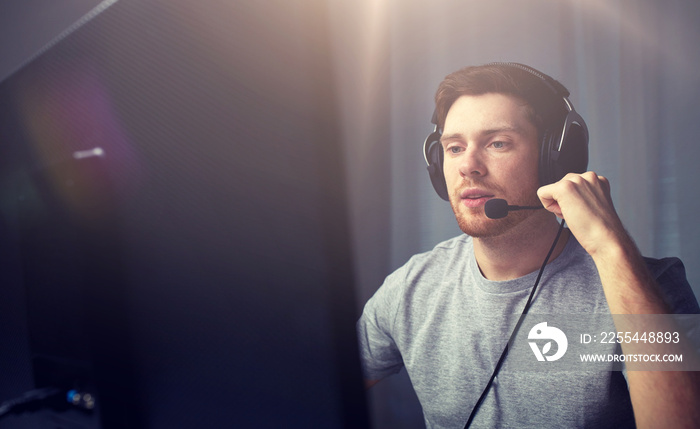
(473, 221)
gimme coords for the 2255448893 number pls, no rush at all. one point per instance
(637, 337)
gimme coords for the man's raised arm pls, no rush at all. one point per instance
(659, 398)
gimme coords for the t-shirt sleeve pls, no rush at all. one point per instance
(379, 353)
(678, 295)
(670, 275)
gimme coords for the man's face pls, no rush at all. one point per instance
(491, 151)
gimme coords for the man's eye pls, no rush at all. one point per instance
(498, 145)
(454, 149)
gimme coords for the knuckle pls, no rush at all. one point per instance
(569, 185)
(577, 179)
(591, 176)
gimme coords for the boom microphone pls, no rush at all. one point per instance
(497, 208)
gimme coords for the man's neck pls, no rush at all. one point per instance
(519, 251)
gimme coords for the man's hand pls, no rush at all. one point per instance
(584, 201)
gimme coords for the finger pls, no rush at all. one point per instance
(548, 199)
(606, 184)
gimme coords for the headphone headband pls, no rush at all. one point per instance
(552, 83)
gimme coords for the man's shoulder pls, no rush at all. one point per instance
(460, 243)
(456, 247)
(669, 274)
(662, 266)
(432, 264)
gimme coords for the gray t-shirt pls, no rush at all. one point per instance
(438, 317)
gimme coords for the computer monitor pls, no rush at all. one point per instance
(177, 172)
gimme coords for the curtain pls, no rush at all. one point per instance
(631, 67)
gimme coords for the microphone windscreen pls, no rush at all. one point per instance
(496, 208)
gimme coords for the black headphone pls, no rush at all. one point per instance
(564, 149)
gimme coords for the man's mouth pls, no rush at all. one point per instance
(475, 197)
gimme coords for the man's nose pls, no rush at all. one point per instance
(472, 163)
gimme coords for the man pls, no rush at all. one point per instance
(447, 315)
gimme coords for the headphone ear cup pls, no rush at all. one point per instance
(573, 156)
(434, 158)
(545, 167)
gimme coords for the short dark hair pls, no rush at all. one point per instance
(545, 107)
